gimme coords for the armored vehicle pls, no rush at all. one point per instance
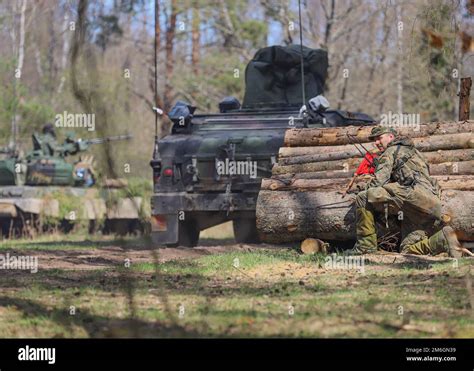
(42, 189)
(209, 169)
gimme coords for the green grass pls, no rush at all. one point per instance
(272, 292)
(220, 264)
(60, 241)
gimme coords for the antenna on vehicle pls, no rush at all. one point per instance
(155, 162)
(302, 63)
(156, 109)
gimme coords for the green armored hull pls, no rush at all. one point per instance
(42, 207)
(42, 190)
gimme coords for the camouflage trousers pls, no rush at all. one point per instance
(418, 209)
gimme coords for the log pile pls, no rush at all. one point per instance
(304, 198)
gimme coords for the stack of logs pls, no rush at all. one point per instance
(305, 195)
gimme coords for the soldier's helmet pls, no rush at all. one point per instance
(379, 130)
(49, 129)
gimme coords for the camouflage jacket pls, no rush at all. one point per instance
(401, 162)
(49, 146)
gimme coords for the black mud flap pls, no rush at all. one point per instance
(164, 229)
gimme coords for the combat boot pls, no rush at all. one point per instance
(366, 233)
(452, 244)
(442, 241)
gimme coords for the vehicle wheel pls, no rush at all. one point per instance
(5, 227)
(66, 226)
(188, 235)
(245, 230)
(120, 227)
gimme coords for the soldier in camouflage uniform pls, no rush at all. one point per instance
(48, 144)
(402, 184)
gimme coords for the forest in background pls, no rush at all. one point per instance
(86, 56)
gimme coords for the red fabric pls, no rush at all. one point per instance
(367, 166)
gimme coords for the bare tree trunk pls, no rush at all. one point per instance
(39, 68)
(170, 35)
(464, 93)
(400, 61)
(52, 47)
(329, 22)
(286, 19)
(21, 50)
(157, 39)
(196, 35)
(19, 69)
(66, 36)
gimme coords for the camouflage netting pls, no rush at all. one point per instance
(274, 75)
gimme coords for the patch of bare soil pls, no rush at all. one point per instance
(382, 260)
(108, 256)
(284, 270)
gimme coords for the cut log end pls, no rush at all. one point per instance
(313, 246)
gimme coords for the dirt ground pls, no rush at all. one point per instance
(113, 255)
(272, 291)
(110, 255)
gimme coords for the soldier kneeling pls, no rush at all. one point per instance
(402, 181)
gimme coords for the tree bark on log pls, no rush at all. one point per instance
(329, 174)
(445, 168)
(453, 168)
(350, 163)
(454, 155)
(286, 216)
(435, 157)
(459, 182)
(425, 144)
(350, 134)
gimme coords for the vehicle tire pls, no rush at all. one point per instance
(5, 227)
(245, 230)
(188, 235)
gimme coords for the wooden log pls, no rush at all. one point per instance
(288, 216)
(325, 153)
(337, 158)
(464, 102)
(350, 163)
(425, 144)
(444, 142)
(452, 168)
(312, 246)
(349, 134)
(459, 182)
(329, 174)
(445, 168)
(302, 184)
(295, 216)
(454, 155)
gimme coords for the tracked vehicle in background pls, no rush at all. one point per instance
(39, 191)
